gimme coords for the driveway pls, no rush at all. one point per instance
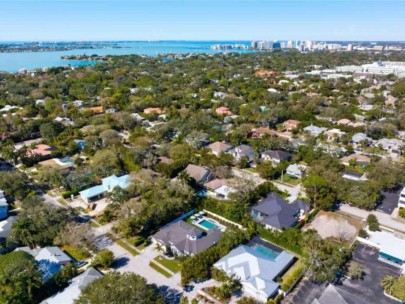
(293, 191)
(126, 262)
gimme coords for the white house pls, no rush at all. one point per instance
(3, 206)
(73, 291)
(256, 270)
(314, 130)
(296, 170)
(224, 191)
(401, 201)
(108, 185)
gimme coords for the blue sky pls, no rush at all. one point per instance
(201, 20)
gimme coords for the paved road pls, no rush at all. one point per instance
(51, 200)
(383, 218)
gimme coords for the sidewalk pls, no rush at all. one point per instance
(384, 219)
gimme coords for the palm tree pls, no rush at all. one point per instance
(388, 284)
(160, 248)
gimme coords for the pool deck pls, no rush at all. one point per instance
(212, 221)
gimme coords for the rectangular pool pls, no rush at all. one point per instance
(208, 224)
(267, 251)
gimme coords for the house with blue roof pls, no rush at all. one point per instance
(3, 206)
(256, 270)
(108, 184)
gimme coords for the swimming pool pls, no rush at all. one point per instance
(208, 224)
(267, 251)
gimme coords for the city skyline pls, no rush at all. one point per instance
(201, 20)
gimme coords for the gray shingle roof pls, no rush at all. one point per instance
(278, 154)
(277, 212)
(177, 236)
(72, 292)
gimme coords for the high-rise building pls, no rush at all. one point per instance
(350, 47)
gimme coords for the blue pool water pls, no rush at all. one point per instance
(270, 253)
(208, 224)
(12, 62)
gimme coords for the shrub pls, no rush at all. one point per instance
(68, 194)
(104, 258)
(401, 212)
(289, 239)
(374, 227)
(371, 218)
(372, 222)
(363, 233)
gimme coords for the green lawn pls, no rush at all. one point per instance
(160, 270)
(288, 179)
(134, 239)
(172, 265)
(127, 247)
(76, 253)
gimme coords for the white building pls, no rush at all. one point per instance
(73, 291)
(401, 201)
(256, 270)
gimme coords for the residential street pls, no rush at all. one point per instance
(383, 218)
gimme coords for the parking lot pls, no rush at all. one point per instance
(374, 271)
(366, 290)
(389, 200)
